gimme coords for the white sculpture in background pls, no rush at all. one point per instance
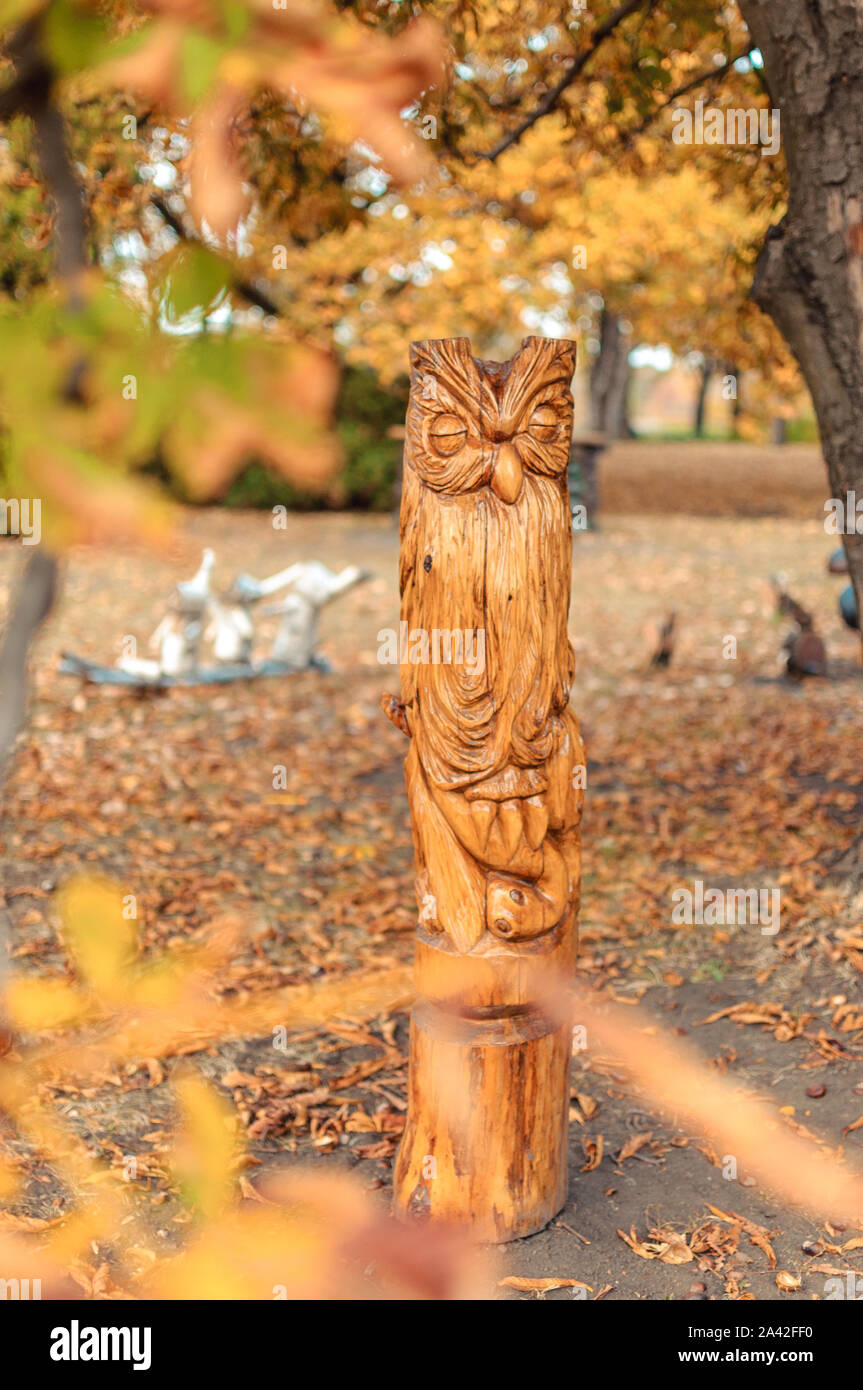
(310, 588)
(226, 623)
(192, 595)
(247, 589)
(177, 639)
(231, 632)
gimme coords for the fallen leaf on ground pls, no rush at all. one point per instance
(525, 1285)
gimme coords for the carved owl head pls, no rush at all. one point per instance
(474, 424)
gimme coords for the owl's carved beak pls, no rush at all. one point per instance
(507, 474)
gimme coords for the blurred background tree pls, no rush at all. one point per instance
(314, 174)
(273, 193)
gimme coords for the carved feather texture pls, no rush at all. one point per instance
(486, 546)
(503, 569)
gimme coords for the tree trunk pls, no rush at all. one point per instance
(701, 399)
(810, 272)
(609, 380)
(778, 432)
(736, 404)
(584, 480)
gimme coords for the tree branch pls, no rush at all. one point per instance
(32, 73)
(32, 604)
(70, 225)
(252, 291)
(701, 80)
(32, 94)
(572, 71)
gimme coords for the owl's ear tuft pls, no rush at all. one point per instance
(424, 357)
(428, 352)
(566, 354)
(553, 351)
(419, 352)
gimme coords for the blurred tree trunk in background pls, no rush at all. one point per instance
(706, 376)
(810, 271)
(736, 403)
(609, 380)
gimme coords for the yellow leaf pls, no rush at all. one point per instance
(207, 1148)
(102, 940)
(33, 1005)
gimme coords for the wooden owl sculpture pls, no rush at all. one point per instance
(494, 777)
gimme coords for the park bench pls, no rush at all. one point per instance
(588, 446)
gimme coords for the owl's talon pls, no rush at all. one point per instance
(482, 815)
(535, 821)
(510, 823)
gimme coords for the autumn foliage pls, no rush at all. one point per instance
(208, 207)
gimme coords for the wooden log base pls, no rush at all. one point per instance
(488, 1119)
(495, 977)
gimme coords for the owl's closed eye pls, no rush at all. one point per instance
(465, 413)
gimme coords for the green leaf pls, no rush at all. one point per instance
(195, 279)
(74, 37)
(14, 12)
(199, 58)
(236, 17)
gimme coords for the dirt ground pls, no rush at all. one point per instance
(652, 478)
(716, 769)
